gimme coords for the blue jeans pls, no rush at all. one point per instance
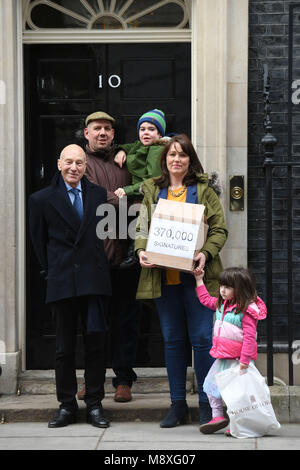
(181, 313)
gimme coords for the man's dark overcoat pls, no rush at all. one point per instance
(69, 251)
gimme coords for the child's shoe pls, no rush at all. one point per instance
(214, 425)
(131, 259)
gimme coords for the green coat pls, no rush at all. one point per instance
(143, 162)
(149, 286)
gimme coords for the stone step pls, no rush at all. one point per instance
(143, 407)
(150, 380)
(36, 398)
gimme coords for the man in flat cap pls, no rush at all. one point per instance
(123, 316)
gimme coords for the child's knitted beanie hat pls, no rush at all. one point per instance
(156, 117)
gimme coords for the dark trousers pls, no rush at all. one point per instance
(67, 313)
(124, 324)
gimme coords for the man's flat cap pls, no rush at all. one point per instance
(99, 115)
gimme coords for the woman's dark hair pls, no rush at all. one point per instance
(244, 285)
(195, 166)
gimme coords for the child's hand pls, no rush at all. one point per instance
(120, 158)
(199, 269)
(243, 367)
(120, 192)
(199, 275)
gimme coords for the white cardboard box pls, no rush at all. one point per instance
(177, 231)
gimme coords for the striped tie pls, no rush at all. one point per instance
(77, 202)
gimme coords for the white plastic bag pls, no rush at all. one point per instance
(248, 402)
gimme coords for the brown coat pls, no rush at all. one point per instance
(103, 171)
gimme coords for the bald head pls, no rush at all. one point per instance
(72, 149)
(72, 164)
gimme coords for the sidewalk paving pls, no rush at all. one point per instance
(134, 428)
(136, 436)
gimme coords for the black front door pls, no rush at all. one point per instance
(65, 83)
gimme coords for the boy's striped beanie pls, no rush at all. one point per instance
(156, 117)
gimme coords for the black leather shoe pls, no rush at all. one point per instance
(178, 414)
(63, 418)
(96, 418)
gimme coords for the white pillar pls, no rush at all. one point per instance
(9, 119)
(219, 108)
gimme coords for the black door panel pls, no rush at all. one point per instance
(63, 84)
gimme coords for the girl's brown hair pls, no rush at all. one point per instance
(244, 285)
(195, 166)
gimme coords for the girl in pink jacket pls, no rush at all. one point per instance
(237, 310)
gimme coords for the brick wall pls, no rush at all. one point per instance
(269, 44)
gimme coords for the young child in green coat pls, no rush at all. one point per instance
(143, 156)
(143, 161)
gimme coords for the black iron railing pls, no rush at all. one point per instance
(269, 142)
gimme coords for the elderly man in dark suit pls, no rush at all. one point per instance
(62, 221)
